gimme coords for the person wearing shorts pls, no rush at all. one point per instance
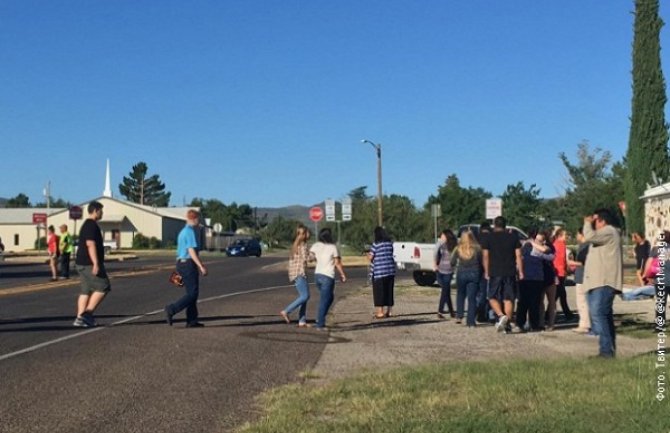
(501, 251)
(90, 263)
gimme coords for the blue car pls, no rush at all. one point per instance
(244, 248)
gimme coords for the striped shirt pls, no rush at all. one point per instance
(383, 264)
(297, 263)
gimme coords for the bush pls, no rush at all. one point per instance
(141, 242)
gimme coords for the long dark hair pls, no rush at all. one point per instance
(451, 239)
(381, 235)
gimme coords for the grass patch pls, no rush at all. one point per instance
(520, 397)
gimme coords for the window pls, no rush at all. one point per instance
(16, 240)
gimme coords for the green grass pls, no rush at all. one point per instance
(521, 397)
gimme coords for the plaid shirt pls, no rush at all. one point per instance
(297, 263)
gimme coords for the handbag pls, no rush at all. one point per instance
(654, 268)
(176, 279)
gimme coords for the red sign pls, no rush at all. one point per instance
(76, 213)
(39, 218)
(316, 214)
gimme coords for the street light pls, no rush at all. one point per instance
(378, 148)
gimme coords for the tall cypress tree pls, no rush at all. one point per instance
(648, 140)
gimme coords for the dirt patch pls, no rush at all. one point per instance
(414, 335)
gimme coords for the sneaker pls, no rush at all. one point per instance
(501, 324)
(89, 320)
(80, 323)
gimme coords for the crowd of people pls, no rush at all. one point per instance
(514, 284)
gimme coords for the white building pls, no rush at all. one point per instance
(122, 221)
(656, 210)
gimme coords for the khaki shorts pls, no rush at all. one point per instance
(93, 283)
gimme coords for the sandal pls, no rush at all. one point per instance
(379, 317)
(304, 325)
(285, 316)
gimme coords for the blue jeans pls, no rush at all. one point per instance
(326, 286)
(602, 318)
(189, 273)
(644, 292)
(301, 301)
(467, 285)
(444, 280)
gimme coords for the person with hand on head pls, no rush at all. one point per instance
(90, 264)
(603, 276)
(189, 266)
(297, 274)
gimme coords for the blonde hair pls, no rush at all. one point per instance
(301, 236)
(468, 246)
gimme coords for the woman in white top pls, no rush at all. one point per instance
(327, 260)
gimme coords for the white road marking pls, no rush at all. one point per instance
(126, 320)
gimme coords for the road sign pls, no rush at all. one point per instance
(218, 227)
(346, 209)
(39, 218)
(493, 208)
(330, 210)
(316, 214)
(76, 213)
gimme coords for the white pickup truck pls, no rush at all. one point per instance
(419, 258)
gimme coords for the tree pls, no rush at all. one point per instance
(280, 231)
(594, 182)
(459, 205)
(648, 139)
(58, 203)
(232, 217)
(138, 188)
(20, 200)
(520, 205)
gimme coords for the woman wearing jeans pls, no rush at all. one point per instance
(297, 265)
(468, 258)
(327, 260)
(444, 271)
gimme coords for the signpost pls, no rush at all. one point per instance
(40, 220)
(330, 210)
(76, 213)
(435, 212)
(493, 208)
(346, 208)
(316, 215)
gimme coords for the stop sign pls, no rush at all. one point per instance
(316, 214)
(76, 213)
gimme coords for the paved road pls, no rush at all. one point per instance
(136, 374)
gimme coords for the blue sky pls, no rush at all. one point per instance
(266, 102)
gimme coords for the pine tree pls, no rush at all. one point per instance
(138, 188)
(648, 140)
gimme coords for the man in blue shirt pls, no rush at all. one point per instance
(188, 266)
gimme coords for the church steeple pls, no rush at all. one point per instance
(108, 183)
